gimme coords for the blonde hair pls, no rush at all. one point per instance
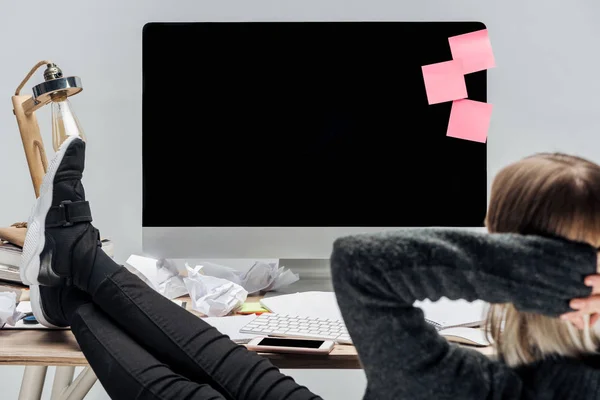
(545, 194)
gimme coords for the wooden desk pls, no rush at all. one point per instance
(59, 348)
(39, 349)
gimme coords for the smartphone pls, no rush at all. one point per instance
(289, 345)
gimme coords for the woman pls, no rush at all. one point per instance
(545, 215)
(143, 346)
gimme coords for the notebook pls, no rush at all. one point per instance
(457, 320)
(466, 335)
(447, 316)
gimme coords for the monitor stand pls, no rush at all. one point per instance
(315, 275)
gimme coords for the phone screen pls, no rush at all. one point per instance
(311, 344)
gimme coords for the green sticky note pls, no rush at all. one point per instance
(252, 308)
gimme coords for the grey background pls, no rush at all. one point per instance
(544, 90)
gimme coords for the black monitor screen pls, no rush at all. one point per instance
(304, 124)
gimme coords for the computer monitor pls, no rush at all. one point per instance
(271, 139)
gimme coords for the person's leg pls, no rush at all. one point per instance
(125, 369)
(68, 249)
(187, 343)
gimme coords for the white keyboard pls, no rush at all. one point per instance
(298, 327)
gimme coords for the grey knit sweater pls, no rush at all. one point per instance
(377, 278)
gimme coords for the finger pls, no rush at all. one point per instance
(594, 282)
(575, 318)
(578, 304)
(579, 323)
(588, 304)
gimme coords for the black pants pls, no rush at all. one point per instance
(143, 346)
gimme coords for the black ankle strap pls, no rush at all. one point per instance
(68, 213)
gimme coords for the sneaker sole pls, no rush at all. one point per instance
(36, 306)
(35, 239)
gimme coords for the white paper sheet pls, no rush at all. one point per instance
(8, 309)
(305, 304)
(24, 307)
(231, 326)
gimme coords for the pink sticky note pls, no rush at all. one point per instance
(444, 81)
(469, 120)
(474, 50)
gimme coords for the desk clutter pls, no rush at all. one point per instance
(219, 294)
(11, 248)
(215, 290)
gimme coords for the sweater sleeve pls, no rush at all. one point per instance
(377, 278)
